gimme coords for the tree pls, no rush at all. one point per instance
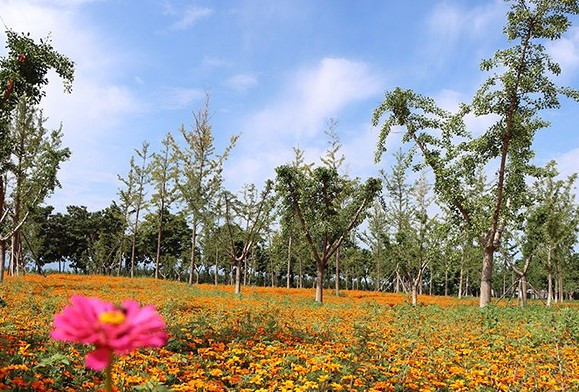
(162, 174)
(327, 207)
(251, 213)
(199, 178)
(515, 97)
(23, 74)
(558, 218)
(139, 177)
(32, 175)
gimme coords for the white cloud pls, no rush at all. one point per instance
(190, 16)
(179, 97)
(298, 117)
(241, 82)
(566, 51)
(214, 62)
(96, 104)
(448, 22)
(568, 162)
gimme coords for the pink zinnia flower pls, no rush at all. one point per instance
(109, 328)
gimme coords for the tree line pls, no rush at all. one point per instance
(435, 222)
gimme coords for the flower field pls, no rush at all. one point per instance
(280, 340)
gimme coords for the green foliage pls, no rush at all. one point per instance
(23, 74)
(519, 89)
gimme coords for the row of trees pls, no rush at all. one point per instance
(175, 219)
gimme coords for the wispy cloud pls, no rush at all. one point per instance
(307, 100)
(566, 52)
(179, 97)
(241, 82)
(189, 16)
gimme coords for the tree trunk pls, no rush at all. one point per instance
(289, 258)
(338, 271)
(193, 246)
(245, 272)
(378, 272)
(320, 282)
(446, 281)
(397, 284)
(237, 276)
(561, 288)
(460, 280)
(549, 276)
(301, 275)
(2, 259)
(134, 244)
(159, 239)
(414, 293)
(486, 276)
(523, 289)
(2, 243)
(216, 266)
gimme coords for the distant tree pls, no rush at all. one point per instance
(558, 219)
(327, 210)
(163, 172)
(515, 94)
(248, 214)
(139, 178)
(199, 177)
(125, 204)
(174, 247)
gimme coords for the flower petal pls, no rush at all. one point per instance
(98, 359)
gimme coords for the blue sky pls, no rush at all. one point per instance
(277, 71)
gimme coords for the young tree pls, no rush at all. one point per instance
(162, 175)
(251, 213)
(520, 88)
(36, 158)
(199, 179)
(142, 176)
(558, 217)
(326, 209)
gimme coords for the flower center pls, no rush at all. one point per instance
(114, 317)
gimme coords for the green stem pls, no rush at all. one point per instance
(108, 375)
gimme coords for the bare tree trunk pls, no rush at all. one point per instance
(430, 288)
(289, 259)
(159, 239)
(245, 272)
(486, 276)
(216, 266)
(460, 280)
(466, 284)
(549, 276)
(134, 244)
(523, 290)
(301, 275)
(193, 250)
(237, 276)
(320, 282)
(397, 284)
(2, 259)
(414, 293)
(446, 281)
(338, 271)
(561, 288)
(2, 243)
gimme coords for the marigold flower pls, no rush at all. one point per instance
(109, 328)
